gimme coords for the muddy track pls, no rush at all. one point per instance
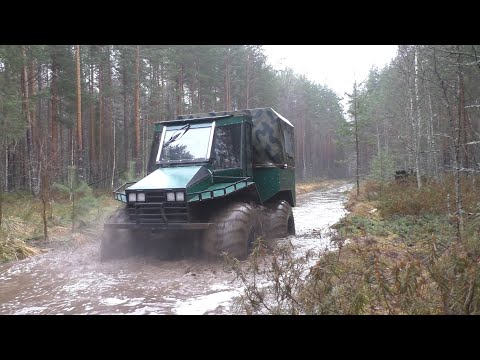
(76, 282)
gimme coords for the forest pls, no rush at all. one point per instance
(402, 156)
(92, 108)
(421, 113)
(87, 112)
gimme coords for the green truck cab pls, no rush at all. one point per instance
(222, 178)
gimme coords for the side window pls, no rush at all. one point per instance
(226, 147)
(289, 142)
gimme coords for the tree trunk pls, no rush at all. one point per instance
(125, 114)
(461, 116)
(228, 102)
(34, 181)
(32, 78)
(91, 145)
(62, 151)
(247, 84)
(100, 156)
(53, 113)
(418, 124)
(144, 144)
(457, 141)
(199, 86)
(39, 131)
(114, 153)
(72, 147)
(431, 141)
(108, 105)
(163, 89)
(164, 105)
(455, 135)
(179, 97)
(79, 111)
(304, 155)
(45, 194)
(357, 154)
(136, 153)
(6, 167)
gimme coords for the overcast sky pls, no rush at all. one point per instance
(336, 66)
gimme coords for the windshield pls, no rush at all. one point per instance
(185, 143)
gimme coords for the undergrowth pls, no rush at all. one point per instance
(21, 231)
(397, 253)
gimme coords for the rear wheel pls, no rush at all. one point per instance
(282, 222)
(234, 231)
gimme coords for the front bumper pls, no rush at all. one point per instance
(159, 226)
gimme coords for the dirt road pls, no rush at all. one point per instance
(76, 282)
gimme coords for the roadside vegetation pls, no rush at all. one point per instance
(69, 223)
(398, 252)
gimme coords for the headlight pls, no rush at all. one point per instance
(141, 197)
(132, 197)
(180, 196)
(170, 196)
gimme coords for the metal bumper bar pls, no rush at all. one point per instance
(159, 226)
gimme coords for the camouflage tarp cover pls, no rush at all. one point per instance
(272, 135)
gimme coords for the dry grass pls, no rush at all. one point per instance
(404, 258)
(21, 233)
(366, 209)
(15, 225)
(306, 187)
(16, 250)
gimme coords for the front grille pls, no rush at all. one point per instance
(156, 209)
(156, 197)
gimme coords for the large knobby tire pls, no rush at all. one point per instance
(235, 229)
(116, 243)
(282, 222)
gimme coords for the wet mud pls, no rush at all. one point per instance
(75, 281)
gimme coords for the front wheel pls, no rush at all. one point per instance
(234, 231)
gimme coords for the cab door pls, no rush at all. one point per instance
(227, 154)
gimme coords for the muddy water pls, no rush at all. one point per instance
(76, 282)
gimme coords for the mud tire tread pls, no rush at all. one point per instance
(280, 215)
(231, 231)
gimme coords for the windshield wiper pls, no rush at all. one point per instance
(176, 136)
